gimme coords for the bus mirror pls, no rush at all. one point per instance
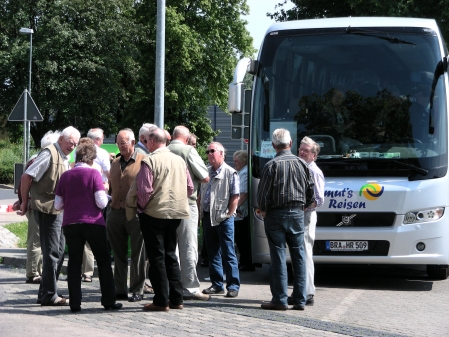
(247, 103)
(252, 67)
(236, 97)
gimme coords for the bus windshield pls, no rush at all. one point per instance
(364, 95)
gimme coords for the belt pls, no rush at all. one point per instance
(288, 208)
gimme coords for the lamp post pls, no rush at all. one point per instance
(26, 124)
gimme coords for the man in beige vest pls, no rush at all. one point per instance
(45, 172)
(123, 172)
(159, 196)
(188, 230)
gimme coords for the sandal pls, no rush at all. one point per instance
(86, 278)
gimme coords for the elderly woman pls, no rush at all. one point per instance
(241, 221)
(81, 194)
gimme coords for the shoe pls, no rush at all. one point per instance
(39, 301)
(204, 263)
(58, 301)
(86, 278)
(34, 280)
(272, 306)
(147, 289)
(75, 309)
(258, 265)
(310, 300)
(197, 297)
(172, 306)
(152, 307)
(121, 297)
(247, 268)
(213, 291)
(114, 306)
(297, 307)
(135, 298)
(232, 293)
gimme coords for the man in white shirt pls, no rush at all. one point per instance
(103, 159)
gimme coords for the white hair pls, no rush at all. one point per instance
(95, 133)
(281, 138)
(146, 128)
(181, 131)
(70, 130)
(130, 133)
(49, 138)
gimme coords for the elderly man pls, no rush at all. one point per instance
(285, 189)
(103, 159)
(123, 172)
(187, 232)
(308, 151)
(218, 204)
(140, 147)
(44, 173)
(160, 195)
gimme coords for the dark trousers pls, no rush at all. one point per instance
(76, 236)
(160, 240)
(203, 253)
(243, 241)
(52, 245)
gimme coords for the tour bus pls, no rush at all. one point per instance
(372, 92)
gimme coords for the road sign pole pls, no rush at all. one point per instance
(25, 130)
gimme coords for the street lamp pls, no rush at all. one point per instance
(26, 124)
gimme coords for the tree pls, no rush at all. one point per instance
(83, 61)
(94, 61)
(311, 9)
(204, 40)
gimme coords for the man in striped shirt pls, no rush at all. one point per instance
(285, 189)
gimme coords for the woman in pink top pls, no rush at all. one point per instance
(80, 193)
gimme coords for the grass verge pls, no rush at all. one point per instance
(19, 229)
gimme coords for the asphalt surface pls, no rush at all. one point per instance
(350, 301)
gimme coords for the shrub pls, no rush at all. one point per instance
(10, 153)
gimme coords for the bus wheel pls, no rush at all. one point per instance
(438, 271)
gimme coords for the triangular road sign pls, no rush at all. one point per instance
(33, 113)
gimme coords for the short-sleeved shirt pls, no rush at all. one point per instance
(41, 164)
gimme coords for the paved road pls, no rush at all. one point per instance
(352, 301)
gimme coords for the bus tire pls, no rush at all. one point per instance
(438, 271)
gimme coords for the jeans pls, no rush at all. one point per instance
(76, 236)
(285, 227)
(53, 245)
(220, 240)
(160, 243)
(187, 234)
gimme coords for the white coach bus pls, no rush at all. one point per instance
(373, 92)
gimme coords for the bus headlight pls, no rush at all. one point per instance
(425, 215)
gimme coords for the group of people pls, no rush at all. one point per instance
(154, 193)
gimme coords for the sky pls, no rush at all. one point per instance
(258, 22)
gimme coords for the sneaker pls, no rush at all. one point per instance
(310, 300)
(232, 293)
(213, 291)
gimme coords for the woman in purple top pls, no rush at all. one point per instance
(81, 194)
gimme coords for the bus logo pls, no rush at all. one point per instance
(371, 191)
(346, 220)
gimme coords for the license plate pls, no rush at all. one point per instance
(346, 246)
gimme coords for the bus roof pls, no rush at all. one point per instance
(354, 22)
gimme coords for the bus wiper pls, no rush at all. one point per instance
(412, 167)
(364, 161)
(375, 33)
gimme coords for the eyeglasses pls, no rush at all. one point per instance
(211, 151)
(72, 143)
(123, 143)
(305, 151)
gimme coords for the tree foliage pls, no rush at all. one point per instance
(312, 9)
(94, 61)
